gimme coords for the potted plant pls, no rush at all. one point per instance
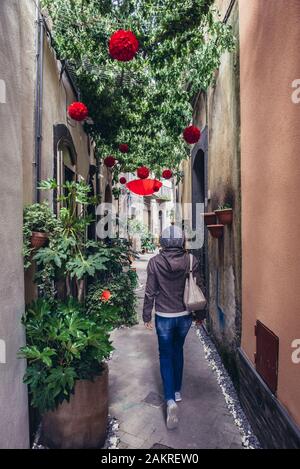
(210, 218)
(39, 220)
(66, 372)
(224, 214)
(67, 342)
(216, 230)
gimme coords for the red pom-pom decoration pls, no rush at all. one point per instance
(143, 172)
(78, 111)
(123, 45)
(191, 134)
(124, 148)
(110, 161)
(105, 295)
(122, 180)
(167, 174)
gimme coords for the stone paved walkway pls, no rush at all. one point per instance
(136, 390)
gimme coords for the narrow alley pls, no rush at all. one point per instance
(130, 128)
(136, 392)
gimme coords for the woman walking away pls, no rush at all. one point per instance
(167, 273)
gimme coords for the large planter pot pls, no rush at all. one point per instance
(38, 239)
(82, 422)
(216, 230)
(210, 218)
(225, 216)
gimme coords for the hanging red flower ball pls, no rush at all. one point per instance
(78, 111)
(167, 174)
(124, 148)
(143, 172)
(191, 134)
(123, 45)
(105, 295)
(122, 180)
(109, 161)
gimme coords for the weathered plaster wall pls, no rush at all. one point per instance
(13, 394)
(58, 95)
(270, 168)
(224, 256)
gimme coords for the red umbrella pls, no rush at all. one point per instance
(143, 186)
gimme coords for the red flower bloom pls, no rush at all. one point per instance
(143, 172)
(105, 295)
(167, 174)
(124, 148)
(78, 111)
(110, 161)
(123, 45)
(122, 180)
(191, 134)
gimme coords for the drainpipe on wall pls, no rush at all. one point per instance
(38, 102)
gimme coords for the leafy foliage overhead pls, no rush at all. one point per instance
(145, 102)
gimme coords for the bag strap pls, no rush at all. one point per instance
(191, 263)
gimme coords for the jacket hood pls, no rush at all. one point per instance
(175, 259)
(172, 237)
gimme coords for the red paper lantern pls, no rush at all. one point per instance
(110, 161)
(191, 134)
(156, 186)
(143, 172)
(78, 111)
(122, 180)
(105, 295)
(167, 174)
(123, 45)
(124, 148)
(144, 186)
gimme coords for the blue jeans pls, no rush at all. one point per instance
(171, 333)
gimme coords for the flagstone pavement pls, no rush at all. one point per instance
(136, 392)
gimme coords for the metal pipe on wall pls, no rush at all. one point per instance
(38, 102)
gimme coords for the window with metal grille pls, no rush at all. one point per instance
(266, 357)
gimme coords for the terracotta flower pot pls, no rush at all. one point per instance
(210, 218)
(216, 230)
(82, 422)
(225, 216)
(38, 239)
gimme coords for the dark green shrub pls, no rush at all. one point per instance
(64, 344)
(123, 298)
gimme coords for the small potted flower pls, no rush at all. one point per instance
(224, 214)
(39, 220)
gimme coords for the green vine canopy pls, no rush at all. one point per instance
(146, 102)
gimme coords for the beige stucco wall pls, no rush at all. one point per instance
(13, 394)
(57, 96)
(270, 169)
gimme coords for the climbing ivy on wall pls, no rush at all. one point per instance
(146, 102)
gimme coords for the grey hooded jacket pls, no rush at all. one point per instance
(167, 272)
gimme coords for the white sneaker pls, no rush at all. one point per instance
(172, 418)
(178, 397)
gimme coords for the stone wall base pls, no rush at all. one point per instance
(271, 423)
